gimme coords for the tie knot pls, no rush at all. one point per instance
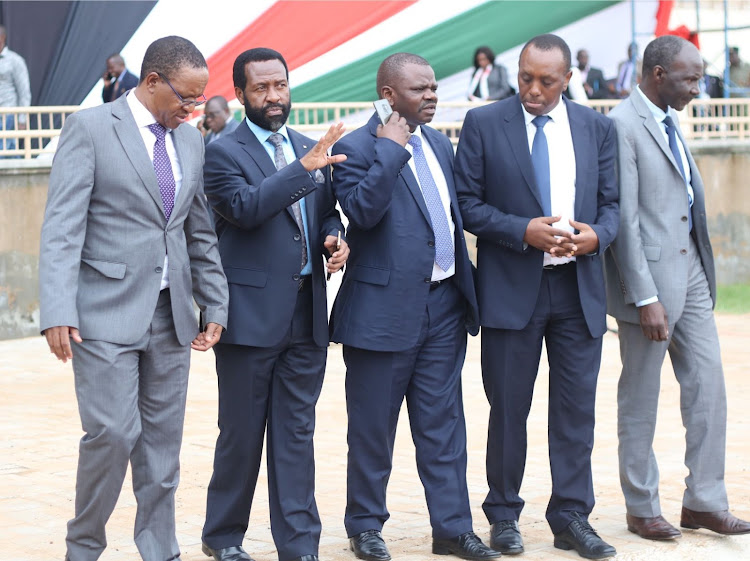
(415, 141)
(276, 139)
(159, 130)
(541, 120)
(668, 122)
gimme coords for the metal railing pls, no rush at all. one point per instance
(703, 119)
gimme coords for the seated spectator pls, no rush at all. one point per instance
(490, 80)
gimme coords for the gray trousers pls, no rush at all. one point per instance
(131, 399)
(693, 347)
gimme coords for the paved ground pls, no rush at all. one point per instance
(40, 428)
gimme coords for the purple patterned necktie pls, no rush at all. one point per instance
(163, 168)
(444, 253)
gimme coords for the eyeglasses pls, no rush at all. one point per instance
(184, 102)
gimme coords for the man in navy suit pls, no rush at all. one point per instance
(117, 79)
(536, 183)
(405, 304)
(275, 218)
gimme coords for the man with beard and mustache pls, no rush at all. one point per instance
(402, 313)
(275, 217)
(536, 183)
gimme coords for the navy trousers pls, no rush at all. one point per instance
(510, 361)
(429, 377)
(274, 391)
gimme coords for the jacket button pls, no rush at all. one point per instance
(304, 188)
(297, 237)
(683, 251)
(292, 197)
(431, 243)
(427, 279)
(295, 277)
(684, 218)
(158, 270)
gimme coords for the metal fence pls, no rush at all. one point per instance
(32, 131)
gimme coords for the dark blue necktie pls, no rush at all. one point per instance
(540, 161)
(672, 135)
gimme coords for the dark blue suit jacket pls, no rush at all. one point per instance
(259, 240)
(383, 295)
(129, 81)
(498, 197)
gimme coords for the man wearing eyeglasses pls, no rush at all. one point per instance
(218, 121)
(127, 244)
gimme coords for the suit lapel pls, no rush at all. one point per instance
(185, 156)
(515, 130)
(653, 127)
(132, 143)
(582, 149)
(445, 160)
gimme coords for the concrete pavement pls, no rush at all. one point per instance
(40, 428)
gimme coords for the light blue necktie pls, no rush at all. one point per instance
(444, 253)
(672, 135)
(540, 161)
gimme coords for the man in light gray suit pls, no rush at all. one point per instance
(661, 288)
(127, 244)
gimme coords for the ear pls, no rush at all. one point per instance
(387, 93)
(659, 73)
(151, 80)
(567, 79)
(240, 95)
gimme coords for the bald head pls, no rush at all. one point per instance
(392, 67)
(672, 69)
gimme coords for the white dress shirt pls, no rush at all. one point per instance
(659, 115)
(144, 118)
(442, 186)
(562, 169)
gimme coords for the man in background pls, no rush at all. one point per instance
(739, 72)
(14, 89)
(593, 78)
(117, 79)
(218, 121)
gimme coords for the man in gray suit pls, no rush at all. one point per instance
(127, 244)
(661, 288)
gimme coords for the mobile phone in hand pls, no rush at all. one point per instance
(383, 109)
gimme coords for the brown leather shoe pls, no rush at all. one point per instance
(721, 522)
(655, 528)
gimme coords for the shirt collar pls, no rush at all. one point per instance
(559, 113)
(262, 134)
(142, 116)
(656, 111)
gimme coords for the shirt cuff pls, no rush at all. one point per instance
(646, 301)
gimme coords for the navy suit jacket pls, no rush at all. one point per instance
(129, 81)
(259, 240)
(498, 197)
(383, 295)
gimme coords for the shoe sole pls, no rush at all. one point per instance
(699, 527)
(565, 546)
(654, 538)
(507, 550)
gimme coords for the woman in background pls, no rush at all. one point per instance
(490, 81)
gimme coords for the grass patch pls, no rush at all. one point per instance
(733, 298)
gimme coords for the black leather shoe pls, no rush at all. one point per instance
(465, 546)
(234, 553)
(579, 535)
(369, 545)
(506, 537)
(306, 558)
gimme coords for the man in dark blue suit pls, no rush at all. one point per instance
(275, 218)
(117, 79)
(405, 304)
(536, 184)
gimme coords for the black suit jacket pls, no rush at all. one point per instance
(129, 81)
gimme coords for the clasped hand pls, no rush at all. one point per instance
(558, 242)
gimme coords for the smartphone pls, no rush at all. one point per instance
(383, 109)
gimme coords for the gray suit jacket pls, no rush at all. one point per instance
(105, 235)
(649, 256)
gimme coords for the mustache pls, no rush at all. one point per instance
(274, 105)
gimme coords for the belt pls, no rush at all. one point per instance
(435, 284)
(560, 267)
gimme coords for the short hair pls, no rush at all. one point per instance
(259, 54)
(116, 57)
(3, 31)
(391, 67)
(662, 51)
(486, 51)
(220, 100)
(735, 50)
(168, 55)
(548, 42)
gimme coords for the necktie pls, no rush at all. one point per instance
(163, 168)
(672, 135)
(280, 160)
(444, 253)
(540, 161)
